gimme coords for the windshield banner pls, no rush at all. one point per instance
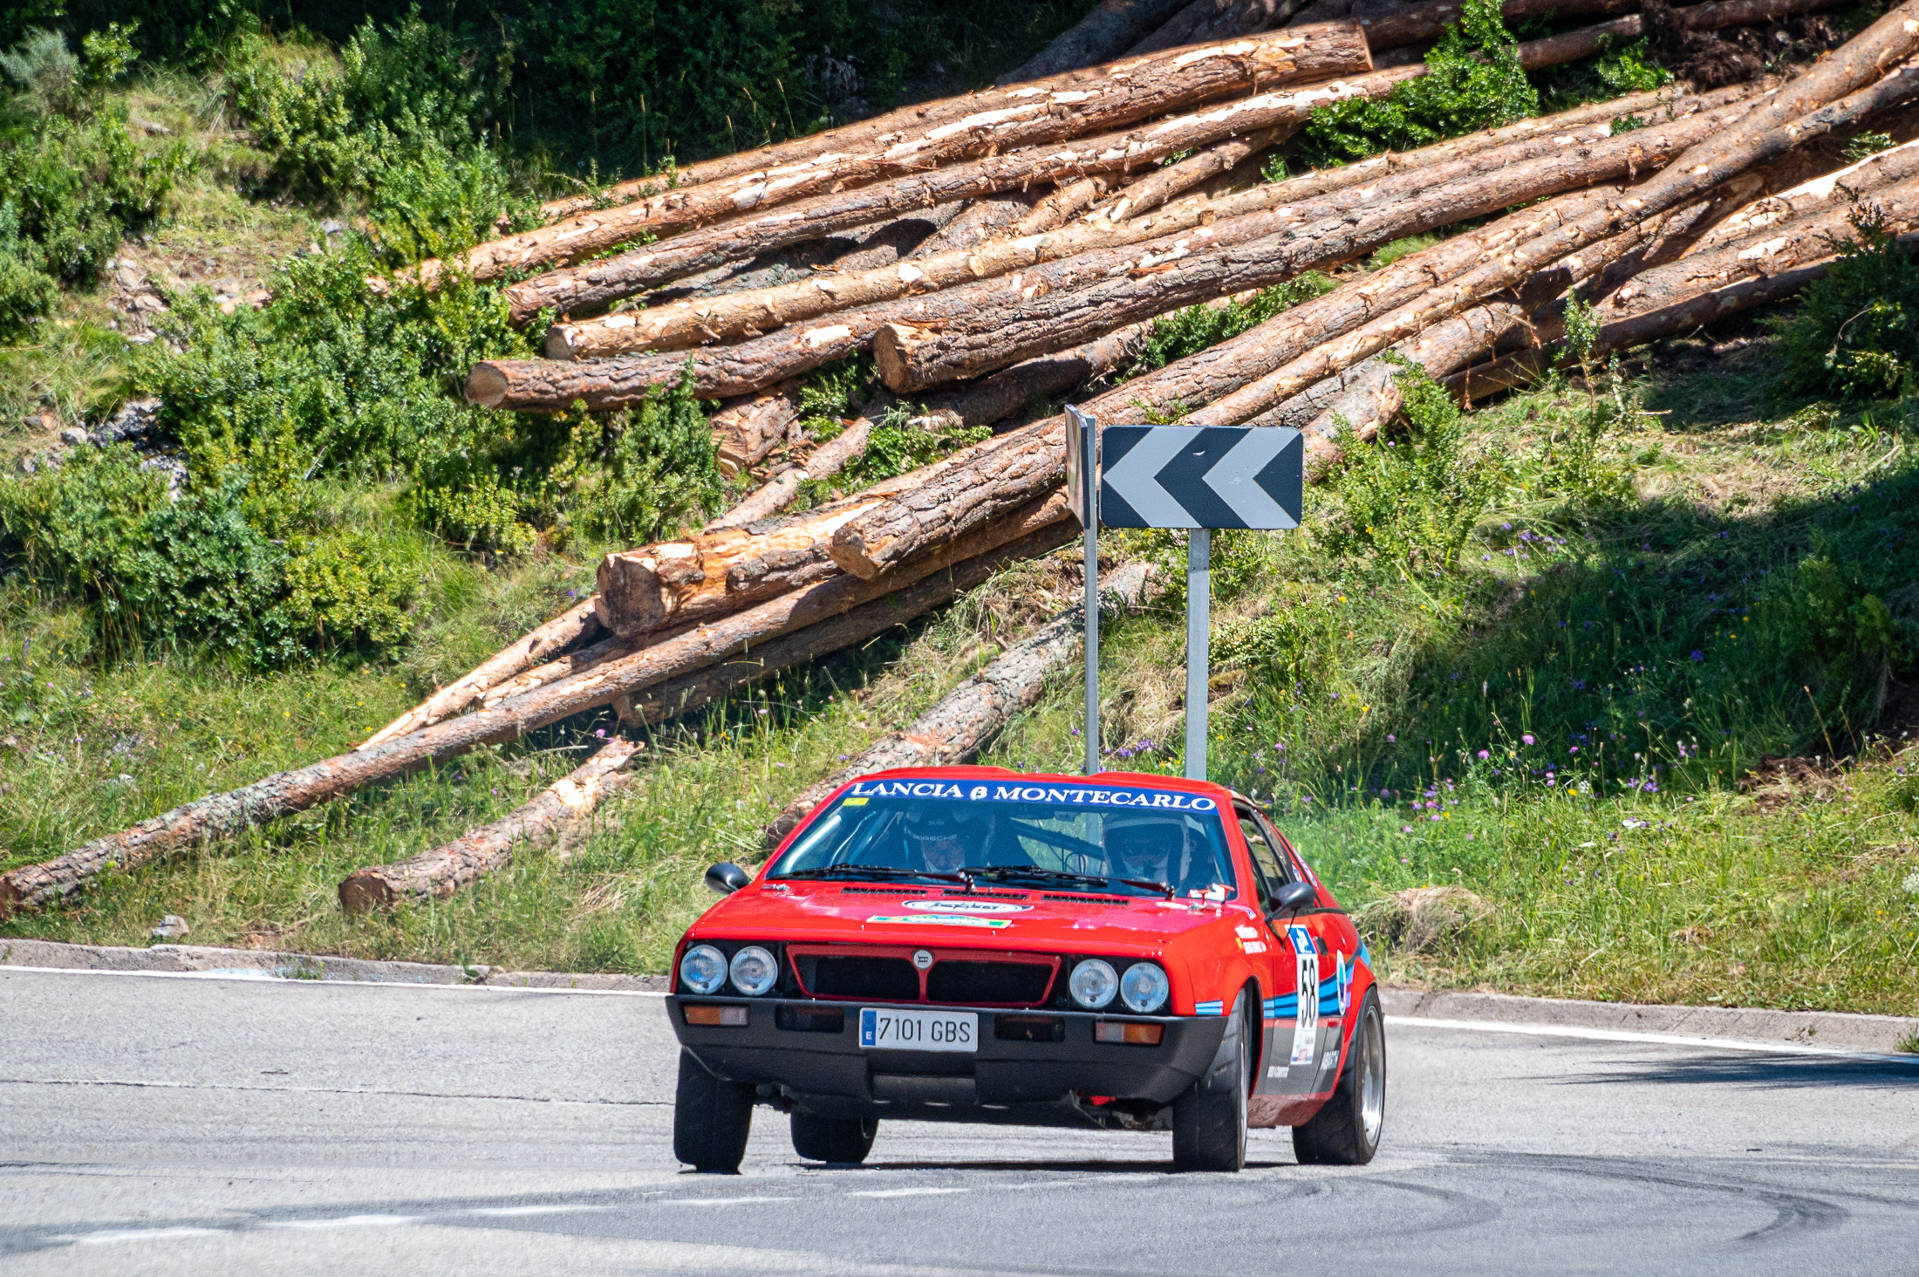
(1047, 795)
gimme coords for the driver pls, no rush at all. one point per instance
(1148, 849)
(945, 838)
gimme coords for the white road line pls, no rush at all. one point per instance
(521, 1212)
(255, 975)
(110, 1235)
(1630, 1035)
(344, 1221)
(908, 1192)
(718, 1201)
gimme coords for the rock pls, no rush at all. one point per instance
(333, 226)
(129, 275)
(174, 469)
(1424, 919)
(28, 465)
(134, 420)
(172, 927)
(73, 436)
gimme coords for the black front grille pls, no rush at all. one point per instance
(1020, 983)
(885, 979)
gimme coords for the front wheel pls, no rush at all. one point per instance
(711, 1117)
(845, 1140)
(1209, 1120)
(1346, 1130)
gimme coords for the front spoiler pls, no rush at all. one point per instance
(1025, 1082)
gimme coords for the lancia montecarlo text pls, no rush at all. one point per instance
(972, 944)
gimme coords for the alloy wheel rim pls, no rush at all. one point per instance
(1372, 1082)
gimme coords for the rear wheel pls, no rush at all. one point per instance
(1346, 1130)
(1209, 1121)
(846, 1140)
(711, 1117)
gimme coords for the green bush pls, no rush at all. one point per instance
(658, 468)
(72, 182)
(1473, 81)
(1411, 503)
(1856, 335)
(1192, 330)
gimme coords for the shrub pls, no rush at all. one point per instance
(1473, 81)
(1412, 503)
(1856, 335)
(659, 468)
(1189, 331)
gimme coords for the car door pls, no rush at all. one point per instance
(1337, 942)
(1294, 1033)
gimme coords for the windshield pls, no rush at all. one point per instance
(1062, 836)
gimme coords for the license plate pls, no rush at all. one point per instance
(885, 1029)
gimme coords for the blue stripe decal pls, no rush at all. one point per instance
(1209, 1008)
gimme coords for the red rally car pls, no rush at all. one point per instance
(974, 944)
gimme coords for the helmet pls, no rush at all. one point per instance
(943, 836)
(1144, 846)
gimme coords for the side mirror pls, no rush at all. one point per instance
(727, 877)
(1293, 897)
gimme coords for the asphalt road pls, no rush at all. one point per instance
(195, 1125)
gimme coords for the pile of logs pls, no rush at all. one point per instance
(1013, 246)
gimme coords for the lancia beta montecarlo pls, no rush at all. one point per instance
(974, 944)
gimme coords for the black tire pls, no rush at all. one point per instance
(711, 1117)
(842, 1140)
(1209, 1120)
(1340, 1133)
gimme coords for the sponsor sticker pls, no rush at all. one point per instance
(1246, 933)
(1306, 1016)
(1253, 946)
(941, 920)
(1343, 981)
(966, 906)
(856, 802)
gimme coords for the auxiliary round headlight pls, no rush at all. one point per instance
(754, 971)
(1093, 984)
(1144, 987)
(703, 969)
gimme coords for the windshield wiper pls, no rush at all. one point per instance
(1036, 873)
(880, 872)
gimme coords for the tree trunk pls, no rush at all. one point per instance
(970, 330)
(1005, 120)
(1010, 390)
(1841, 186)
(828, 459)
(695, 321)
(437, 874)
(715, 572)
(745, 431)
(593, 286)
(966, 331)
(1108, 31)
(1042, 524)
(578, 624)
(1205, 20)
(857, 625)
(970, 715)
(1144, 194)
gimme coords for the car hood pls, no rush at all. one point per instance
(857, 913)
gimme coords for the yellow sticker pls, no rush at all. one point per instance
(854, 802)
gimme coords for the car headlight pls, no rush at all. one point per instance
(703, 969)
(1144, 987)
(754, 970)
(1093, 983)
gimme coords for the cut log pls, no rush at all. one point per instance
(1047, 522)
(685, 323)
(882, 130)
(578, 624)
(993, 399)
(593, 286)
(454, 866)
(1109, 30)
(1838, 187)
(1005, 119)
(1144, 194)
(1205, 20)
(746, 430)
(1659, 302)
(1586, 42)
(856, 626)
(947, 335)
(970, 715)
(828, 459)
(966, 331)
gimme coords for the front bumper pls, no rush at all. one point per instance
(1005, 1080)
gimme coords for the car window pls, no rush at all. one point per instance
(1267, 863)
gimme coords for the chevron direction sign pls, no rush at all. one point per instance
(1201, 477)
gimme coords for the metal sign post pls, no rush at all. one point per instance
(1199, 623)
(1082, 487)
